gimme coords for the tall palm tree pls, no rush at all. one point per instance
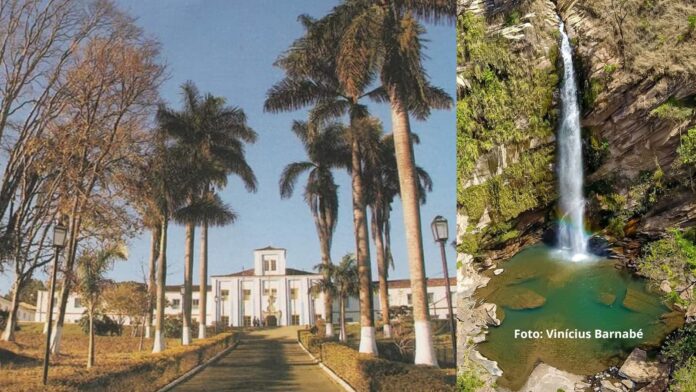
(326, 150)
(383, 188)
(311, 80)
(212, 137)
(386, 37)
(342, 281)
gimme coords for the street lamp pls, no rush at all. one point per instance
(217, 304)
(59, 236)
(440, 234)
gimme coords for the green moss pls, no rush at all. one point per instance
(474, 200)
(673, 110)
(591, 92)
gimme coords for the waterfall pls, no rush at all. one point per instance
(571, 235)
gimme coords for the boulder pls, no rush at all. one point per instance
(628, 384)
(637, 301)
(659, 385)
(690, 313)
(488, 314)
(606, 298)
(547, 378)
(498, 271)
(607, 386)
(638, 369)
(665, 287)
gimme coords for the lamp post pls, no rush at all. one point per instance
(59, 236)
(217, 304)
(440, 234)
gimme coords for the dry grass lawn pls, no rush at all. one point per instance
(21, 361)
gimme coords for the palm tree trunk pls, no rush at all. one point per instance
(8, 334)
(328, 301)
(342, 309)
(154, 255)
(188, 283)
(203, 282)
(90, 350)
(368, 343)
(159, 344)
(382, 270)
(408, 184)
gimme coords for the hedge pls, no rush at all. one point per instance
(366, 373)
(151, 372)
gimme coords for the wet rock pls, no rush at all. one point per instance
(599, 246)
(637, 301)
(490, 366)
(547, 378)
(638, 369)
(606, 298)
(521, 298)
(498, 271)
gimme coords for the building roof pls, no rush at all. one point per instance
(177, 287)
(431, 282)
(269, 247)
(250, 272)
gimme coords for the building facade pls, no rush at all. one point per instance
(271, 294)
(25, 312)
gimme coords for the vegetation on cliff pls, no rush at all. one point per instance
(506, 99)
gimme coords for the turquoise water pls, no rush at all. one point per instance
(538, 291)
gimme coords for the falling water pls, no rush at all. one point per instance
(571, 234)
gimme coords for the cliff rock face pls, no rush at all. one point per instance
(638, 62)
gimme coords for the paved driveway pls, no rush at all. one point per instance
(265, 360)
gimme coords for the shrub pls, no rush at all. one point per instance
(681, 345)
(173, 326)
(468, 382)
(685, 378)
(103, 325)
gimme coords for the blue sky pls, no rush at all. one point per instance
(228, 48)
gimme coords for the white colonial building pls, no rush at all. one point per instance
(272, 294)
(25, 312)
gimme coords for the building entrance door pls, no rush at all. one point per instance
(271, 321)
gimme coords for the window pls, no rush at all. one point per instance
(247, 321)
(224, 320)
(272, 292)
(293, 293)
(246, 294)
(295, 319)
(194, 303)
(269, 264)
(409, 299)
(78, 303)
(431, 298)
(317, 317)
(224, 294)
(175, 303)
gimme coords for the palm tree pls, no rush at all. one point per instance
(342, 281)
(90, 281)
(326, 150)
(386, 37)
(211, 136)
(311, 80)
(382, 190)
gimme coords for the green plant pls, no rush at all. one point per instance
(468, 381)
(103, 325)
(680, 345)
(513, 18)
(684, 378)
